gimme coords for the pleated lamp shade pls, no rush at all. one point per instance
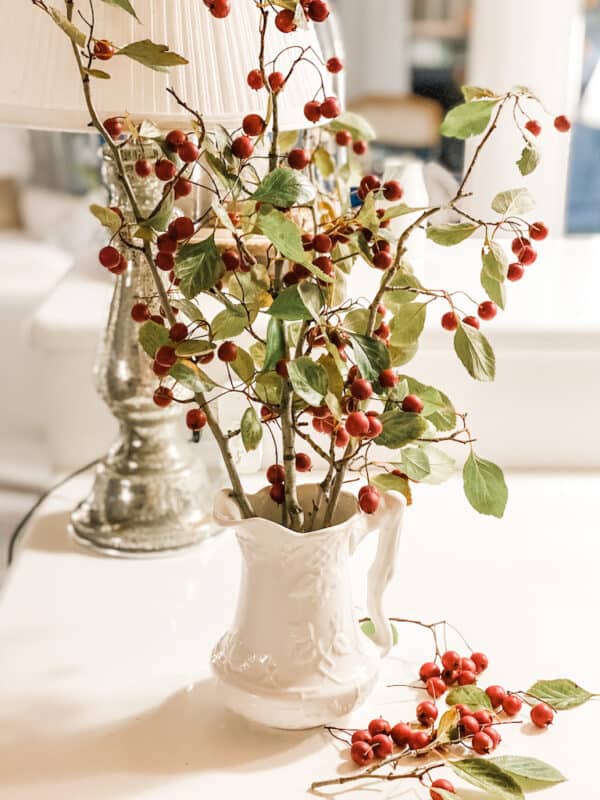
(40, 87)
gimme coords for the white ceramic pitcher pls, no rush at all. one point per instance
(295, 656)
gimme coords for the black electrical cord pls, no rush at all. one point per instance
(17, 532)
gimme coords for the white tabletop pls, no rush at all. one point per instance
(106, 693)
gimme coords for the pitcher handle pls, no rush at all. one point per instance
(388, 521)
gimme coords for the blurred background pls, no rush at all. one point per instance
(406, 61)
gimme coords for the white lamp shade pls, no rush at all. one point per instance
(40, 87)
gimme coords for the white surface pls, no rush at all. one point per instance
(44, 89)
(106, 691)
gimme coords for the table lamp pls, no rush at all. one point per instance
(149, 495)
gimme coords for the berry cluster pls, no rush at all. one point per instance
(276, 476)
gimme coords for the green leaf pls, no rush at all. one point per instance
(219, 166)
(243, 365)
(527, 770)
(155, 56)
(356, 321)
(198, 266)
(451, 233)
(402, 284)
(324, 162)
(251, 429)
(367, 216)
(437, 407)
(230, 322)
(159, 221)
(400, 210)
(193, 347)
(124, 4)
(441, 465)
(487, 776)
(494, 260)
(286, 140)
(513, 202)
(400, 428)
(107, 217)
(368, 628)
(96, 73)
(403, 354)
(309, 380)
(268, 386)
(407, 323)
(288, 305)
(191, 310)
(312, 297)
(485, 487)
(151, 336)
(468, 119)
(476, 93)
(494, 289)
(258, 352)
(192, 377)
(471, 696)
(475, 353)
(284, 188)
(387, 482)
(530, 158)
(415, 463)
(282, 232)
(334, 377)
(560, 693)
(355, 123)
(276, 348)
(72, 31)
(447, 730)
(371, 355)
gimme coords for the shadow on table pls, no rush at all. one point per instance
(188, 733)
(50, 534)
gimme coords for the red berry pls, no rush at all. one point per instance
(166, 356)
(466, 677)
(166, 243)
(427, 713)
(449, 321)
(231, 259)
(482, 743)
(323, 243)
(285, 20)
(178, 332)
(512, 704)
(303, 462)
(429, 670)
(496, 695)
(527, 255)
(361, 753)
(276, 81)
(277, 493)
(182, 228)
(369, 183)
(143, 167)
(317, 10)
(103, 50)
(298, 158)
(562, 123)
(357, 424)
(382, 260)
(487, 310)
(195, 419)
(342, 437)
(538, 231)
(361, 389)
(392, 190)
(472, 321)
(113, 126)
(469, 725)
(467, 664)
(534, 127)
(330, 108)
(435, 687)
(242, 147)
(481, 661)
(255, 79)
(140, 312)
(312, 111)
(494, 735)
(188, 152)
(515, 271)
(375, 426)
(227, 352)
(276, 473)
(219, 8)
(369, 501)
(165, 262)
(379, 725)
(451, 660)
(412, 404)
(450, 676)
(163, 397)
(401, 733)
(463, 710)
(440, 783)
(334, 65)
(174, 140)
(542, 715)
(388, 378)
(165, 170)
(109, 257)
(160, 370)
(360, 147)
(483, 717)
(361, 736)
(383, 331)
(418, 740)
(382, 745)
(253, 124)
(182, 187)
(518, 244)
